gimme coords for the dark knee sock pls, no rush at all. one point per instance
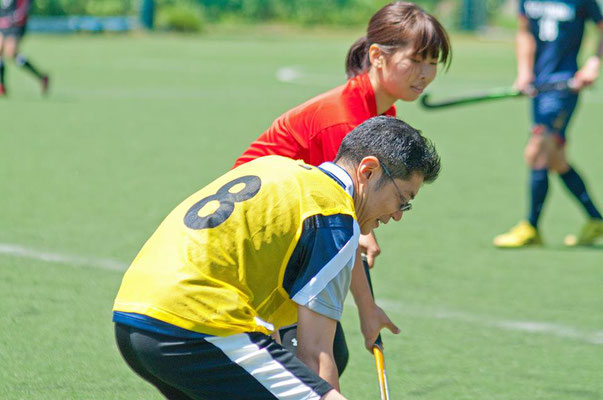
(576, 186)
(1, 71)
(23, 62)
(539, 186)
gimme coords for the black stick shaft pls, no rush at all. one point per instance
(378, 342)
(494, 94)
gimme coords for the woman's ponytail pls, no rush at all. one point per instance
(356, 62)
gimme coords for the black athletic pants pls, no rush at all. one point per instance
(340, 347)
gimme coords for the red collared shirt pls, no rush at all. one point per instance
(314, 130)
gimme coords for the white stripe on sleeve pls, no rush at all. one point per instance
(330, 270)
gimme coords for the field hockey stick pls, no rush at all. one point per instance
(378, 346)
(494, 94)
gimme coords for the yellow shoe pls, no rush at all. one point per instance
(524, 234)
(591, 231)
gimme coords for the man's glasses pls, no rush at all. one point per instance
(406, 206)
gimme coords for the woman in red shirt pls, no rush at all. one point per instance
(396, 60)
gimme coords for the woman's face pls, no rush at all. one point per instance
(404, 74)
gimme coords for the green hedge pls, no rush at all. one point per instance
(180, 16)
(189, 15)
(85, 7)
(301, 11)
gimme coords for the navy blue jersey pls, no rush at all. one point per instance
(558, 28)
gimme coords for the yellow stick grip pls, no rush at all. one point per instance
(380, 363)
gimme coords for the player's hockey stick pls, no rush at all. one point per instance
(492, 94)
(378, 346)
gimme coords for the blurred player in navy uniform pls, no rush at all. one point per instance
(548, 40)
(13, 24)
(270, 243)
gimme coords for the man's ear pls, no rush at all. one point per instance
(367, 168)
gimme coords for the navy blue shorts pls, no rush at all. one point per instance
(554, 110)
(13, 31)
(247, 366)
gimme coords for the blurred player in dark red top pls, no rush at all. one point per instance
(396, 60)
(13, 24)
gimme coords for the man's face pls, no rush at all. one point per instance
(377, 205)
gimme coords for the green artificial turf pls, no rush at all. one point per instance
(134, 124)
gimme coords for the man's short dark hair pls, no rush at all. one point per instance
(398, 145)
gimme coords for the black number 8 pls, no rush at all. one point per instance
(226, 199)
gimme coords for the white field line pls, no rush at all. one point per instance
(545, 328)
(297, 75)
(290, 74)
(58, 258)
(392, 306)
